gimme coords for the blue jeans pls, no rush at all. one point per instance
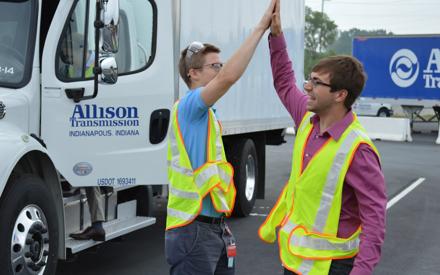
(338, 267)
(198, 248)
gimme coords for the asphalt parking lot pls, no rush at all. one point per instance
(412, 240)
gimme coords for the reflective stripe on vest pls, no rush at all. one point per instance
(189, 187)
(184, 194)
(218, 142)
(205, 175)
(308, 266)
(211, 171)
(180, 214)
(332, 182)
(323, 244)
(179, 169)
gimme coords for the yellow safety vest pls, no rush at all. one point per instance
(71, 71)
(188, 187)
(309, 206)
(88, 73)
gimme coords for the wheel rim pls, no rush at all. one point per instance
(250, 177)
(382, 114)
(30, 242)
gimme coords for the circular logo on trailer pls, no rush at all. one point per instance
(404, 68)
(82, 169)
(2, 110)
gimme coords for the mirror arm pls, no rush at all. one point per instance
(98, 24)
(78, 95)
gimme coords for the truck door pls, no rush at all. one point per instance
(117, 138)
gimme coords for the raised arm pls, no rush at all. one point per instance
(236, 65)
(291, 96)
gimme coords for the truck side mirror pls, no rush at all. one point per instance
(106, 31)
(109, 70)
(109, 42)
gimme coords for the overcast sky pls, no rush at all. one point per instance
(398, 16)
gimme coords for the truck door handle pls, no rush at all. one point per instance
(76, 94)
(159, 121)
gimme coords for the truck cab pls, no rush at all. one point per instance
(75, 113)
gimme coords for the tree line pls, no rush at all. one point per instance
(322, 38)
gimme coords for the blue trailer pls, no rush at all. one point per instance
(402, 70)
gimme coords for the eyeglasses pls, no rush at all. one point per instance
(315, 82)
(214, 66)
(193, 48)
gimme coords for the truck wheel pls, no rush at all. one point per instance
(245, 163)
(145, 202)
(383, 112)
(28, 231)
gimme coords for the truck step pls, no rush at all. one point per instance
(124, 224)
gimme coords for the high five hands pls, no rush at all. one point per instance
(275, 25)
(271, 18)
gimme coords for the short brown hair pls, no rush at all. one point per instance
(196, 61)
(346, 72)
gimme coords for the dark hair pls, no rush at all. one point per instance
(346, 72)
(197, 60)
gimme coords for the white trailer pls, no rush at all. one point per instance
(62, 128)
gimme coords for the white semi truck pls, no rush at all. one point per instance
(86, 89)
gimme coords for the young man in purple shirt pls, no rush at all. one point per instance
(333, 86)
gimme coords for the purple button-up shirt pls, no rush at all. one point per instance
(363, 196)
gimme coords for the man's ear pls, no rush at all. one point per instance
(341, 95)
(193, 74)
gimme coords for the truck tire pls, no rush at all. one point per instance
(245, 162)
(145, 202)
(29, 230)
(383, 112)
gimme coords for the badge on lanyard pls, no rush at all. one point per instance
(231, 248)
(231, 251)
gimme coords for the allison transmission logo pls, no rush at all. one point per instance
(404, 68)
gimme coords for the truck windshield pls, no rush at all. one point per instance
(17, 36)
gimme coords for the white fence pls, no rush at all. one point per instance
(438, 139)
(387, 128)
(383, 128)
